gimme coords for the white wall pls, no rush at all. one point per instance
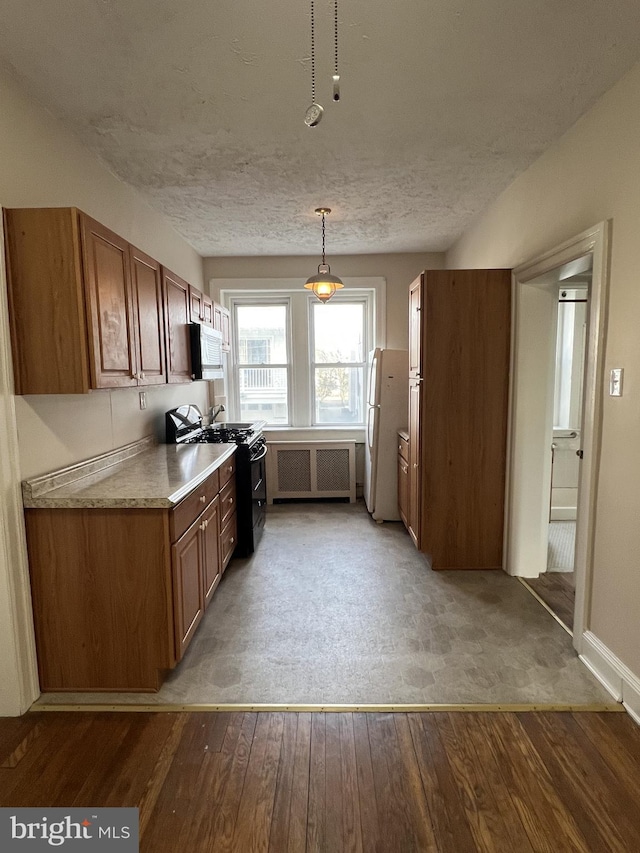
(399, 270)
(42, 164)
(590, 175)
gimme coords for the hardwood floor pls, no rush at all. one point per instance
(557, 590)
(370, 782)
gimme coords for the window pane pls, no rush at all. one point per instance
(262, 334)
(263, 394)
(338, 393)
(338, 332)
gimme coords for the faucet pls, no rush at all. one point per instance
(216, 410)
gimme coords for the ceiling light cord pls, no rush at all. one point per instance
(336, 75)
(313, 114)
(313, 55)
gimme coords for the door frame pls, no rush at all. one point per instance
(18, 667)
(530, 415)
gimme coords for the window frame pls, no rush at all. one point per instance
(237, 365)
(300, 377)
(345, 299)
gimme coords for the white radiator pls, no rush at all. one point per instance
(311, 469)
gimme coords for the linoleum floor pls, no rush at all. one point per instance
(336, 609)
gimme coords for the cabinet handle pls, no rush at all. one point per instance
(203, 498)
(202, 527)
(230, 501)
(415, 464)
(231, 541)
(142, 376)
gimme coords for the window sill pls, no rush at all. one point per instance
(315, 433)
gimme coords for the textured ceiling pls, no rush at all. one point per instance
(200, 106)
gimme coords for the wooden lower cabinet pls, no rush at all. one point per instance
(211, 562)
(188, 585)
(118, 593)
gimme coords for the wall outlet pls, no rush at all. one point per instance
(615, 382)
(143, 399)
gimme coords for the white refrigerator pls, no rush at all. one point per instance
(387, 412)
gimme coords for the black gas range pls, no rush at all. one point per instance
(184, 426)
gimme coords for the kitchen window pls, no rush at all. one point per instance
(297, 362)
(262, 363)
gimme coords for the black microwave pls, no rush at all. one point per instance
(206, 352)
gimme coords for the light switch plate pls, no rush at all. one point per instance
(615, 382)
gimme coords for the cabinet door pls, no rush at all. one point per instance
(228, 540)
(177, 313)
(112, 342)
(403, 489)
(46, 301)
(149, 318)
(415, 327)
(226, 330)
(207, 310)
(188, 592)
(217, 316)
(195, 304)
(222, 322)
(414, 503)
(211, 570)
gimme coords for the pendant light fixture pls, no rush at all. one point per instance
(323, 284)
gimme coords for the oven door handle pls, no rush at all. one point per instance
(260, 455)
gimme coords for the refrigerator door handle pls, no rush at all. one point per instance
(371, 425)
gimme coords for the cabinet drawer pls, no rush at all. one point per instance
(403, 448)
(227, 470)
(227, 501)
(186, 512)
(228, 541)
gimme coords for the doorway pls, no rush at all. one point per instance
(536, 296)
(556, 585)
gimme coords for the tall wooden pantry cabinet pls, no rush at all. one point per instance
(459, 341)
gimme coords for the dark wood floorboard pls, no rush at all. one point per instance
(558, 592)
(549, 782)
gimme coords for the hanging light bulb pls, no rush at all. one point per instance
(323, 284)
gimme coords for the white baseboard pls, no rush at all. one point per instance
(615, 676)
(564, 513)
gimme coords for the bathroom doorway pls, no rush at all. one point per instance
(556, 586)
(537, 289)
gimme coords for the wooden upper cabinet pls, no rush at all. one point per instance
(148, 305)
(112, 349)
(46, 301)
(195, 304)
(222, 322)
(200, 307)
(87, 309)
(177, 316)
(207, 310)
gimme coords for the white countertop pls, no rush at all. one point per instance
(142, 474)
